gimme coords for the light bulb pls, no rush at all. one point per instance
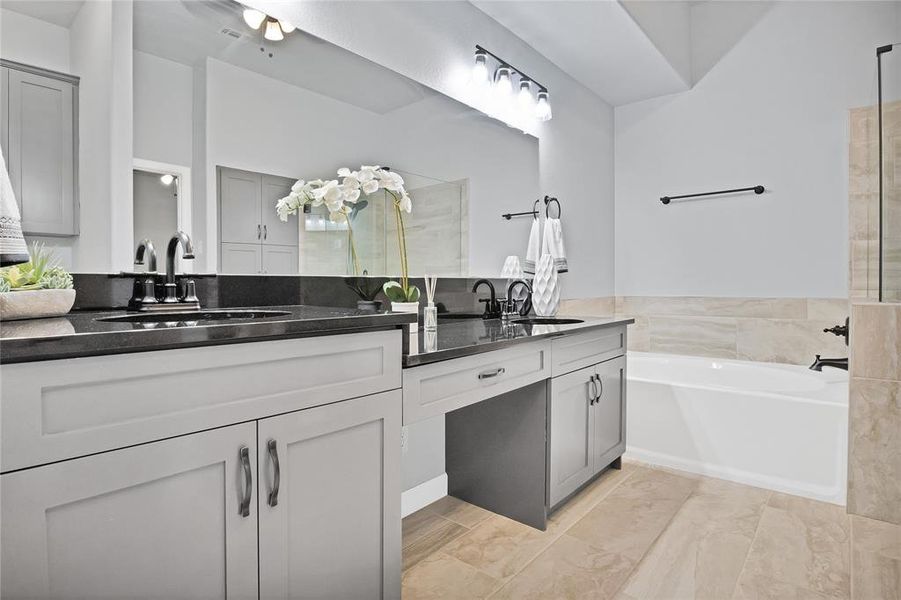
(167, 179)
(503, 83)
(286, 26)
(253, 18)
(480, 69)
(543, 108)
(525, 93)
(273, 32)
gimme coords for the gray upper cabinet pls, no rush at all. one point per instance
(159, 520)
(247, 217)
(40, 142)
(330, 501)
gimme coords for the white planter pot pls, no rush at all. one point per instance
(35, 304)
(407, 307)
(545, 289)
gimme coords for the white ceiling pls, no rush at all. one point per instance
(596, 42)
(58, 12)
(188, 31)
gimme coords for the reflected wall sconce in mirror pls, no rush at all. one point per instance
(274, 29)
(537, 107)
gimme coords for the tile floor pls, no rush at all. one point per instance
(649, 533)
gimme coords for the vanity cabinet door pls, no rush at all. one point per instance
(276, 231)
(159, 520)
(280, 260)
(240, 259)
(332, 530)
(571, 433)
(610, 413)
(240, 203)
(41, 150)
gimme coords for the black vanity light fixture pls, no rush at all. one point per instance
(274, 29)
(501, 81)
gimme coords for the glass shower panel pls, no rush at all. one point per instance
(890, 192)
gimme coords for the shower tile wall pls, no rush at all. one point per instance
(786, 330)
(863, 189)
(874, 452)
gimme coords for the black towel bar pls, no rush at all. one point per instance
(757, 189)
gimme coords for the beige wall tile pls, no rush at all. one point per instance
(835, 310)
(696, 336)
(874, 453)
(879, 537)
(638, 336)
(876, 341)
(863, 168)
(787, 341)
(588, 307)
(569, 568)
(875, 559)
(788, 308)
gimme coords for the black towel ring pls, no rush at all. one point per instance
(535, 209)
(547, 204)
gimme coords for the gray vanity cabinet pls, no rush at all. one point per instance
(332, 530)
(252, 239)
(587, 425)
(98, 527)
(40, 144)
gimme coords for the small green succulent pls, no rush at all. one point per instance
(41, 272)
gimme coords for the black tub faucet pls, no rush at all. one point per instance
(838, 363)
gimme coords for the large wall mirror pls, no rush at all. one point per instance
(224, 121)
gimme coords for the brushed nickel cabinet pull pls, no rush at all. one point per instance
(273, 456)
(494, 373)
(244, 507)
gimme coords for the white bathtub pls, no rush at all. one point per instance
(781, 427)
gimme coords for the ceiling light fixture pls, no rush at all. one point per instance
(538, 107)
(543, 108)
(167, 179)
(253, 18)
(480, 69)
(274, 29)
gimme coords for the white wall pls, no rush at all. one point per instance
(435, 49)
(163, 106)
(261, 124)
(32, 41)
(774, 112)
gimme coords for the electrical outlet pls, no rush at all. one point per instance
(404, 438)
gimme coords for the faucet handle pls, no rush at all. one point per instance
(190, 292)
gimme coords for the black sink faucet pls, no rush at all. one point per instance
(511, 303)
(838, 363)
(492, 306)
(179, 237)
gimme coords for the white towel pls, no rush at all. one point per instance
(531, 259)
(552, 243)
(12, 245)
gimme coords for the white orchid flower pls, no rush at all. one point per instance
(405, 203)
(352, 195)
(370, 186)
(366, 174)
(343, 172)
(351, 182)
(298, 186)
(283, 208)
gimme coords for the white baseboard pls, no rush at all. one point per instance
(423, 494)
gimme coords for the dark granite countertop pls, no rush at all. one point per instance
(82, 334)
(456, 338)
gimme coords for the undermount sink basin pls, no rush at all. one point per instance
(196, 315)
(547, 321)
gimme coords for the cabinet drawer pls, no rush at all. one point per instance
(439, 388)
(573, 352)
(62, 409)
